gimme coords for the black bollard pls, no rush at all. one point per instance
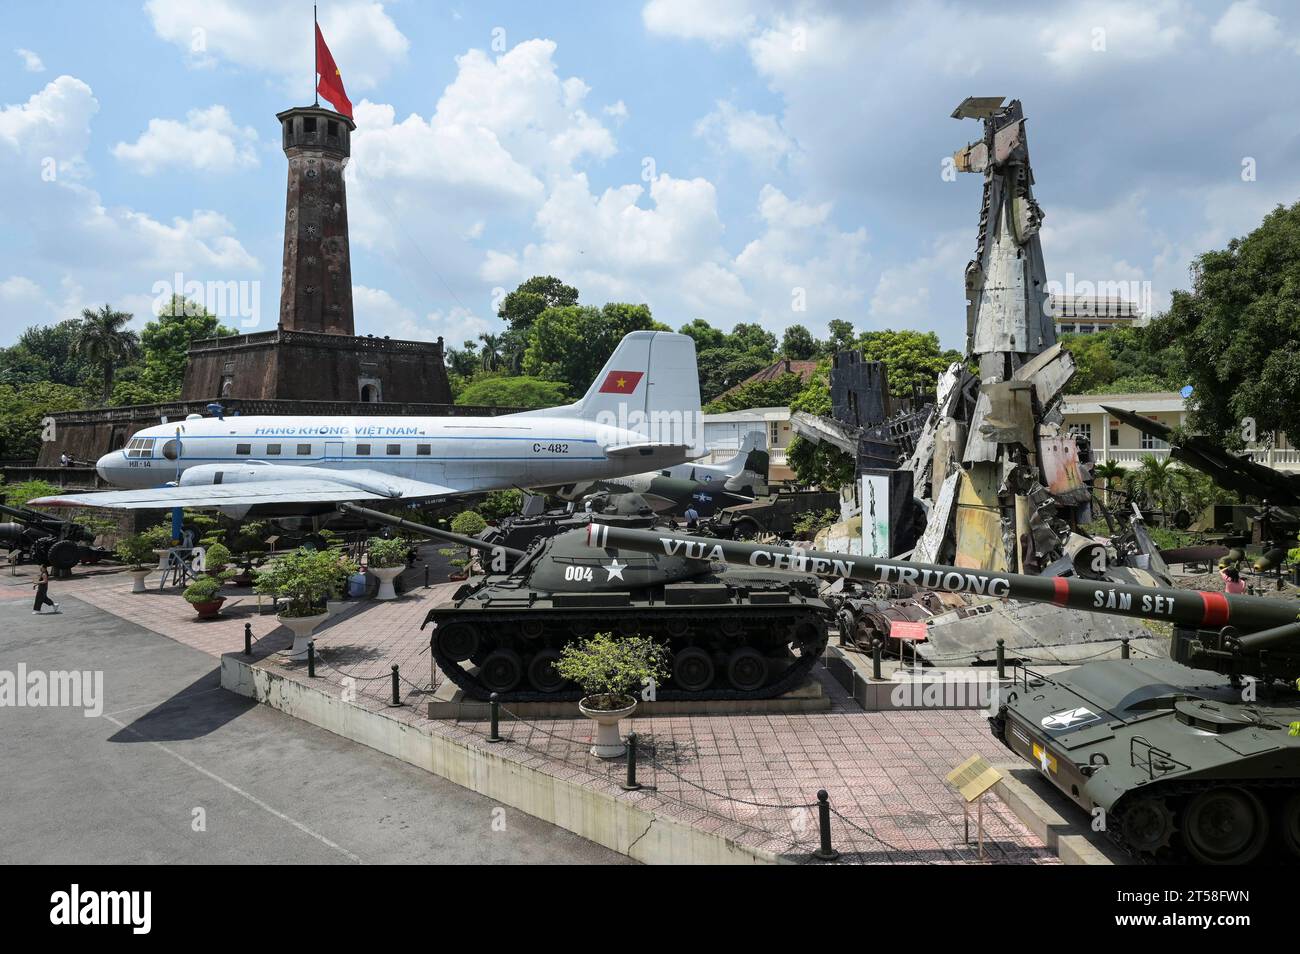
(631, 785)
(397, 693)
(311, 659)
(875, 659)
(1123, 648)
(494, 735)
(825, 852)
(1002, 659)
(248, 639)
(426, 576)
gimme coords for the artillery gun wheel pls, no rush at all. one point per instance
(1289, 823)
(458, 641)
(501, 670)
(1148, 825)
(1225, 826)
(693, 669)
(541, 671)
(746, 669)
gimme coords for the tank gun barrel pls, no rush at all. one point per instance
(400, 523)
(1189, 608)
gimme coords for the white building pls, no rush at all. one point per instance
(1114, 440)
(724, 433)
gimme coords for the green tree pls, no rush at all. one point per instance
(22, 410)
(913, 359)
(501, 391)
(798, 343)
(722, 368)
(492, 355)
(1154, 481)
(1111, 475)
(104, 342)
(526, 303)
(705, 335)
(44, 353)
(164, 351)
(753, 339)
(777, 392)
(1237, 332)
(571, 343)
(820, 465)
(843, 336)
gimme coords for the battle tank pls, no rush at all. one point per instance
(1194, 757)
(733, 634)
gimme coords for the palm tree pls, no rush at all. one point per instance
(492, 351)
(103, 340)
(1112, 473)
(1154, 479)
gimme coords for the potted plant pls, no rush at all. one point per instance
(204, 594)
(304, 579)
(609, 669)
(386, 559)
(216, 557)
(135, 551)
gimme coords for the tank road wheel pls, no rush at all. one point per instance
(677, 628)
(1147, 825)
(501, 670)
(541, 671)
(531, 628)
(746, 669)
(456, 641)
(1225, 826)
(693, 669)
(1289, 822)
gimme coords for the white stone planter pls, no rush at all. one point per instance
(137, 580)
(386, 575)
(609, 741)
(302, 628)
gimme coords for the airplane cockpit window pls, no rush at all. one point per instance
(139, 447)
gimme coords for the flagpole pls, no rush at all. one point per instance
(315, 55)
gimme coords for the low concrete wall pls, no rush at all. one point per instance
(616, 822)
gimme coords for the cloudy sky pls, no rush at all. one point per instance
(723, 159)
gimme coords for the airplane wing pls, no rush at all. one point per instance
(214, 485)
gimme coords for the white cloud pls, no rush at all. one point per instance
(31, 61)
(755, 137)
(716, 21)
(275, 38)
(1245, 27)
(616, 111)
(207, 141)
(1089, 34)
(96, 252)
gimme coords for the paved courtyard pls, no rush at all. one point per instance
(752, 778)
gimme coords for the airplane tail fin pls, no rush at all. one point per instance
(747, 471)
(649, 385)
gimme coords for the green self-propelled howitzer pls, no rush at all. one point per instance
(1192, 757)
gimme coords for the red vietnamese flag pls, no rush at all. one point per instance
(330, 84)
(621, 382)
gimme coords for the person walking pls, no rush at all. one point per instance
(42, 587)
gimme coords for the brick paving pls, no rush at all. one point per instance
(752, 778)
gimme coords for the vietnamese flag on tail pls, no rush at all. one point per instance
(621, 382)
(330, 84)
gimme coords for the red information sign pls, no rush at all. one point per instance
(906, 629)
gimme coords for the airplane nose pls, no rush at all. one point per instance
(103, 469)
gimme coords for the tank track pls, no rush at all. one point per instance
(1176, 852)
(488, 621)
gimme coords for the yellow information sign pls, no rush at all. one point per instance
(973, 777)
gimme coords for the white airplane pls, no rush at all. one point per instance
(641, 412)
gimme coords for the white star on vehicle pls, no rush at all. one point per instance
(615, 570)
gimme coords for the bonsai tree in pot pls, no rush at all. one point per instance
(204, 594)
(136, 551)
(467, 523)
(304, 580)
(386, 558)
(216, 558)
(609, 669)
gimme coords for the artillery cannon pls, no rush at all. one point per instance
(59, 543)
(1192, 757)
